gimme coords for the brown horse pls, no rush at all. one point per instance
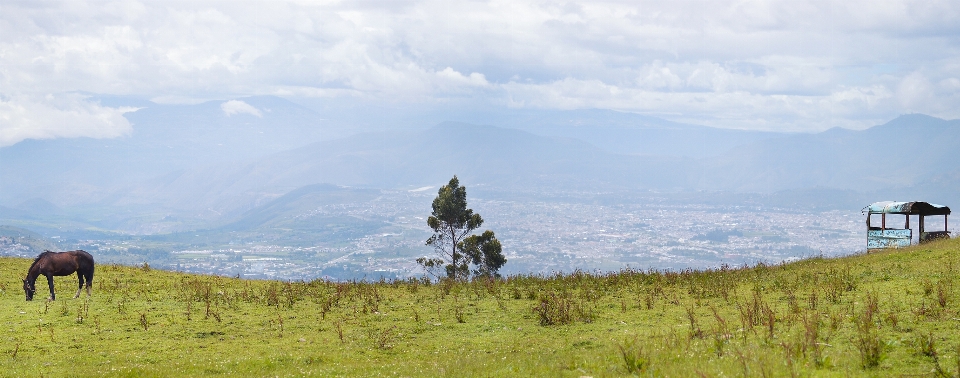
(51, 264)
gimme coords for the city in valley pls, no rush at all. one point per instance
(381, 238)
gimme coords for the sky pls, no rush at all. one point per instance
(760, 65)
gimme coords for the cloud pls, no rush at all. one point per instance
(239, 107)
(66, 116)
(809, 65)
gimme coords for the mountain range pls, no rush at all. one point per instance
(202, 164)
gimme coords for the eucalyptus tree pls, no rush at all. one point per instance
(453, 224)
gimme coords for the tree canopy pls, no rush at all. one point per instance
(453, 223)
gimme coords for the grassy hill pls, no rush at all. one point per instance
(881, 314)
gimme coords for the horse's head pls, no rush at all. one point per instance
(29, 289)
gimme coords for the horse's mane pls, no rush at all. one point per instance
(40, 256)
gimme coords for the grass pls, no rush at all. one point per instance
(889, 313)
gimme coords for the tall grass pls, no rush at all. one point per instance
(891, 312)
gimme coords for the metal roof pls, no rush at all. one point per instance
(914, 208)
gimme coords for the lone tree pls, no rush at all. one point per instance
(452, 223)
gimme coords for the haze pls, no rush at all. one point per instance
(317, 125)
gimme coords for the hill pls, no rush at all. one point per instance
(888, 313)
(213, 167)
(16, 241)
(911, 150)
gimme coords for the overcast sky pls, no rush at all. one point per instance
(788, 65)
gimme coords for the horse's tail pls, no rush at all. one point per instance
(85, 264)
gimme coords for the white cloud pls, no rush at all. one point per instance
(239, 107)
(806, 64)
(66, 116)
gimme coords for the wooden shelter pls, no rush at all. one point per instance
(886, 235)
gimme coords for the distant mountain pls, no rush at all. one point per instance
(634, 134)
(165, 138)
(907, 151)
(289, 210)
(16, 241)
(189, 166)
(481, 155)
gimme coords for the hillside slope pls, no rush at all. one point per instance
(889, 313)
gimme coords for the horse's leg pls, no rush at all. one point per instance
(80, 288)
(89, 282)
(53, 296)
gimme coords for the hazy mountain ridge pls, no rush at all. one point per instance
(194, 165)
(164, 139)
(619, 132)
(907, 151)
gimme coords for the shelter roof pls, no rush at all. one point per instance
(912, 208)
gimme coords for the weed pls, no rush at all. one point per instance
(793, 304)
(836, 320)
(695, 331)
(925, 312)
(280, 323)
(634, 358)
(554, 309)
(340, 330)
(811, 341)
(812, 300)
(64, 311)
(867, 339)
(927, 345)
(942, 293)
(143, 320)
(385, 339)
(928, 348)
(893, 318)
(722, 333)
(516, 293)
(82, 311)
(927, 286)
(649, 299)
(838, 282)
(769, 320)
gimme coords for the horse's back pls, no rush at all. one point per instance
(83, 258)
(81, 254)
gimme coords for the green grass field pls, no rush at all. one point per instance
(883, 314)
